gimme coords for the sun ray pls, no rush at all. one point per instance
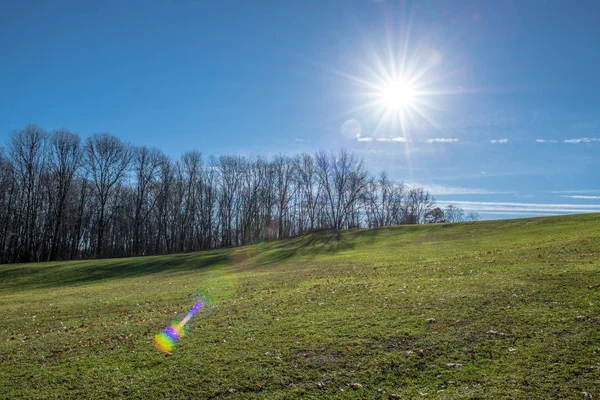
(429, 81)
(353, 78)
(423, 115)
(400, 92)
(383, 120)
(406, 45)
(418, 75)
(399, 83)
(355, 110)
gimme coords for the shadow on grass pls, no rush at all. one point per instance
(310, 245)
(48, 275)
(60, 274)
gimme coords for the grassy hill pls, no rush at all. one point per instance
(495, 309)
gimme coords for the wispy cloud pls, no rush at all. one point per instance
(583, 197)
(398, 139)
(575, 191)
(302, 140)
(546, 141)
(401, 139)
(581, 140)
(506, 208)
(570, 141)
(442, 140)
(519, 213)
(443, 190)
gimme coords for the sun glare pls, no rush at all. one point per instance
(396, 89)
(398, 95)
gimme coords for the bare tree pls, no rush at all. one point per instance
(162, 220)
(146, 169)
(453, 214)
(435, 216)
(8, 194)
(28, 154)
(310, 189)
(230, 167)
(82, 207)
(418, 204)
(65, 159)
(107, 160)
(192, 170)
(253, 179)
(343, 178)
(472, 216)
(62, 200)
(284, 177)
(209, 193)
(382, 201)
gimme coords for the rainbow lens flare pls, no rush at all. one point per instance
(165, 341)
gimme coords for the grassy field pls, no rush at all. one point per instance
(495, 309)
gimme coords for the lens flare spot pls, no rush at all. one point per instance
(165, 341)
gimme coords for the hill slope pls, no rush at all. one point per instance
(495, 309)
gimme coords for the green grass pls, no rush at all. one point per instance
(496, 309)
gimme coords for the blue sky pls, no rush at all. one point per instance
(504, 117)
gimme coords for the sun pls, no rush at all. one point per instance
(397, 88)
(398, 95)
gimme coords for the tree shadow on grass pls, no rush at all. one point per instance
(59, 274)
(51, 275)
(310, 245)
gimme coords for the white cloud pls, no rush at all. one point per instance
(581, 140)
(499, 141)
(570, 141)
(302, 140)
(442, 190)
(442, 140)
(398, 139)
(520, 213)
(576, 191)
(583, 197)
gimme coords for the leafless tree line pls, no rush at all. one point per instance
(63, 199)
